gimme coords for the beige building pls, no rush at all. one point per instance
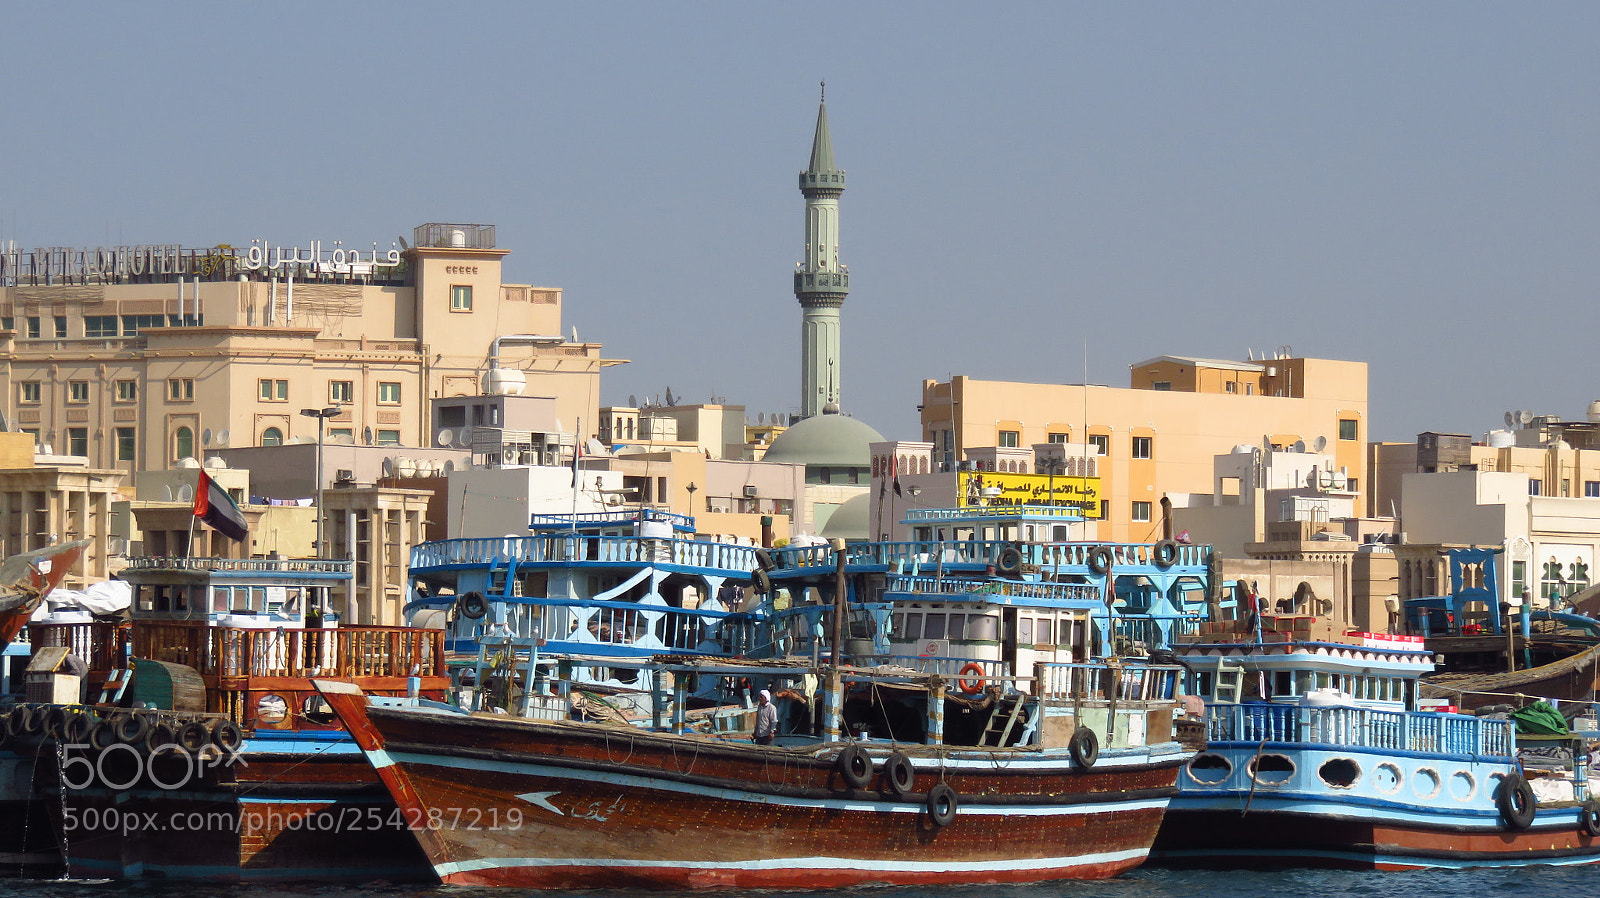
(1159, 435)
(136, 357)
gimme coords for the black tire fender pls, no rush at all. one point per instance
(899, 776)
(1589, 819)
(1516, 802)
(1008, 561)
(1084, 747)
(942, 804)
(1165, 553)
(472, 606)
(1099, 560)
(855, 766)
(227, 735)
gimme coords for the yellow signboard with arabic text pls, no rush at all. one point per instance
(997, 489)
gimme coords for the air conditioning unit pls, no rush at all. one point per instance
(344, 475)
(750, 491)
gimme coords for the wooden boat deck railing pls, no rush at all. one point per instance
(1418, 731)
(231, 652)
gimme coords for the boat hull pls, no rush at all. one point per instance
(558, 805)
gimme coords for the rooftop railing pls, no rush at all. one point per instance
(246, 565)
(576, 548)
(979, 590)
(1418, 731)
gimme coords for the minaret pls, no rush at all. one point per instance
(820, 282)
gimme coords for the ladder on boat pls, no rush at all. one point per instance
(1003, 720)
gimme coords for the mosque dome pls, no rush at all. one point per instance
(851, 520)
(826, 440)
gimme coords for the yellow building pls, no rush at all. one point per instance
(136, 357)
(1161, 434)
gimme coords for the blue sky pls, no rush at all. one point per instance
(1034, 187)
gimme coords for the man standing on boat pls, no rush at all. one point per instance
(766, 719)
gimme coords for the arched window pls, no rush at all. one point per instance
(183, 442)
(272, 436)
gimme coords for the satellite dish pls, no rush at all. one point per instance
(449, 467)
(1299, 445)
(388, 467)
(443, 438)
(166, 493)
(1320, 444)
(633, 401)
(205, 437)
(1525, 416)
(222, 437)
(403, 244)
(1511, 419)
(185, 493)
(464, 437)
(117, 545)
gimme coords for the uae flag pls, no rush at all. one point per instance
(213, 505)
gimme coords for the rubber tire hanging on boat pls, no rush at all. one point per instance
(103, 736)
(761, 581)
(855, 766)
(33, 723)
(764, 559)
(942, 804)
(1099, 560)
(1084, 747)
(131, 729)
(55, 722)
(77, 727)
(17, 721)
(472, 606)
(193, 735)
(1589, 819)
(1516, 802)
(971, 686)
(1008, 561)
(899, 777)
(227, 735)
(1165, 553)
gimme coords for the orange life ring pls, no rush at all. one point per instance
(968, 685)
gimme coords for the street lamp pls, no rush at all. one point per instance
(322, 415)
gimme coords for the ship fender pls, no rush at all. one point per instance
(855, 766)
(1589, 819)
(17, 722)
(103, 735)
(131, 729)
(764, 560)
(77, 728)
(1008, 561)
(1099, 560)
(942, 804)
(1516, 802)
(1084, 747)
(899, 777)
(1165, 554)
(472, 606)
(227, 735)
(193, 735)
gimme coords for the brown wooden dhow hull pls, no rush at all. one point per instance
(505, 801)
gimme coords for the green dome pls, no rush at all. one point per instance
(850, 520)
(833, 441)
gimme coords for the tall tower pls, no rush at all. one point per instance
(820, 282)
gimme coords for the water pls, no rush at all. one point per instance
(1530, 882)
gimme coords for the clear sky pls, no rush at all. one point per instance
(1035, 188)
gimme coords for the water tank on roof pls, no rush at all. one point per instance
(458, 238)
(1501, 439)
(1594, 412)
(504, 382)
(1243, 449)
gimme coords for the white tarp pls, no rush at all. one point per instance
(105, 597)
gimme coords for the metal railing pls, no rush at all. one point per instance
(957, 587)
(244, 565)
(1418, 731)
(924, 556)
(577, 548)
(1106, 682)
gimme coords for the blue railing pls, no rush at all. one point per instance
(926, 556)
(1417, 731)
(569, 549)
(958, 587)
(609, 519)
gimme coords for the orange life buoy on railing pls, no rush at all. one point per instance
(965, 681)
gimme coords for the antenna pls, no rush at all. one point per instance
(185, 493)
(388, 467)
(206, 438)
(1299, 445)
(222, 437)
(1511, 419)
(442, 439)
(1525, 416)
(1320, 444)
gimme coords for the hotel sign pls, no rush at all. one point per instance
(997, 489)
(60, 264)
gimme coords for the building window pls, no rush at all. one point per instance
(388, 394)
(388, 438)
(1164, 386)
(133, 324)
(1105, 509)
(1535, 487)
(1231, 386)
(1143, 447)
(28, 391)
(78, 441)
(272, 436)
(1348, 428)
(1519, 579)
(1101, 443)
(127, 390)
(61, 327)
(32, 432)
(180, 389)
(183, 443)
(127, 443)
(77, 391)
(341, 435)
(100, 326)
(1353, 484)
(1591, 489)
(460, 298)
(1141, 512)
(273, 390)
(1056, 438)
(341, 392)
(1009, 439)
(33, 327)
(1566, 487)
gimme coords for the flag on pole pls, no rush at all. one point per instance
(213, 505)
(894, 474)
